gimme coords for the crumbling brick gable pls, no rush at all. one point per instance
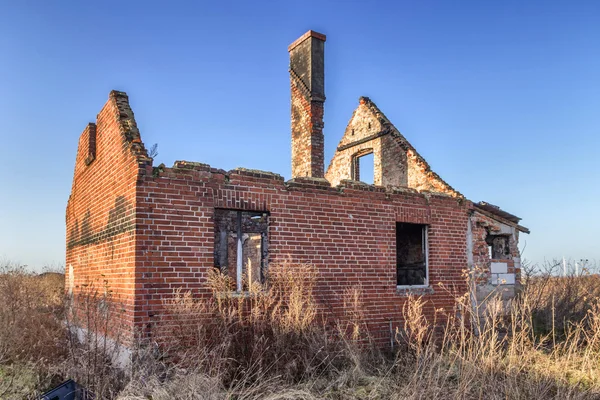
(367, 134)
(397, 163)
(100, 213)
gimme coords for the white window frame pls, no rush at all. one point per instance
(425, 244)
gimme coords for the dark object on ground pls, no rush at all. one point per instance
(68, 390)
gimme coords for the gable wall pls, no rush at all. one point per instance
(100, 214)
(390, 160)
(396, 162)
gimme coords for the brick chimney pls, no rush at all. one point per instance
(307, 76)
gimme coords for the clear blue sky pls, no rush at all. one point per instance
(502, 98)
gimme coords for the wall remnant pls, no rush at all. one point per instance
(496, 259)
(149, 232)
(397, 163)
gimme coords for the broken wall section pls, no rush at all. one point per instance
(101, 212)
(396, 162)
(495, 257)
(366, 134)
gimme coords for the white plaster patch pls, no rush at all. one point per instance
(71, 279)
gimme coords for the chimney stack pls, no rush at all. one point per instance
(307, 76)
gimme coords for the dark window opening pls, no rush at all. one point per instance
(411, 254)
(241, 246)
(498, 246)
(363, 167)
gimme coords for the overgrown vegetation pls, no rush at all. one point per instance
(272, 344)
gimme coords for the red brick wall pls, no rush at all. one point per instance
(150, 231)
(100, 215)
(349, 234)
(307, 136)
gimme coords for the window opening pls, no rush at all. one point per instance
(363, 167)
(241, 246)
(411, 255)
(498, 246)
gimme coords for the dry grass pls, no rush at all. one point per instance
(272, 344)
(268, 331)
(31, 331)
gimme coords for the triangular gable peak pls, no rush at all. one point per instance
(397, 163)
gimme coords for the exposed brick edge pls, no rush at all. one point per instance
(405, 144)
(350, 184)
(206, 173)
(256, 173)
(190, 165)
(300, 84)
(128, 126)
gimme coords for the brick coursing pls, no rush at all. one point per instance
(397, 163)
(307, 136)
(147, 232)
(100, 215)
(348, 233)
(307, 98)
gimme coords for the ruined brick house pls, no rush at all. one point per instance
(149, 230)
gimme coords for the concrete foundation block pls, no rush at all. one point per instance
(498, 268)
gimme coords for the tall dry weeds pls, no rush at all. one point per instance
(271, 330)
(506, 356)
(95, 357)
(31, 331)
(273, 343)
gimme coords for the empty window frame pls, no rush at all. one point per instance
(498, 246)
(363, 166)
(241, 246)
(411, 255)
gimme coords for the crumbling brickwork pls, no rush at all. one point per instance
(147, 232)
(366, 134)
(494, 254)
(397, 163)
(100, 216)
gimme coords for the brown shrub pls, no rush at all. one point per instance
(32, 335)
(31, 311)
